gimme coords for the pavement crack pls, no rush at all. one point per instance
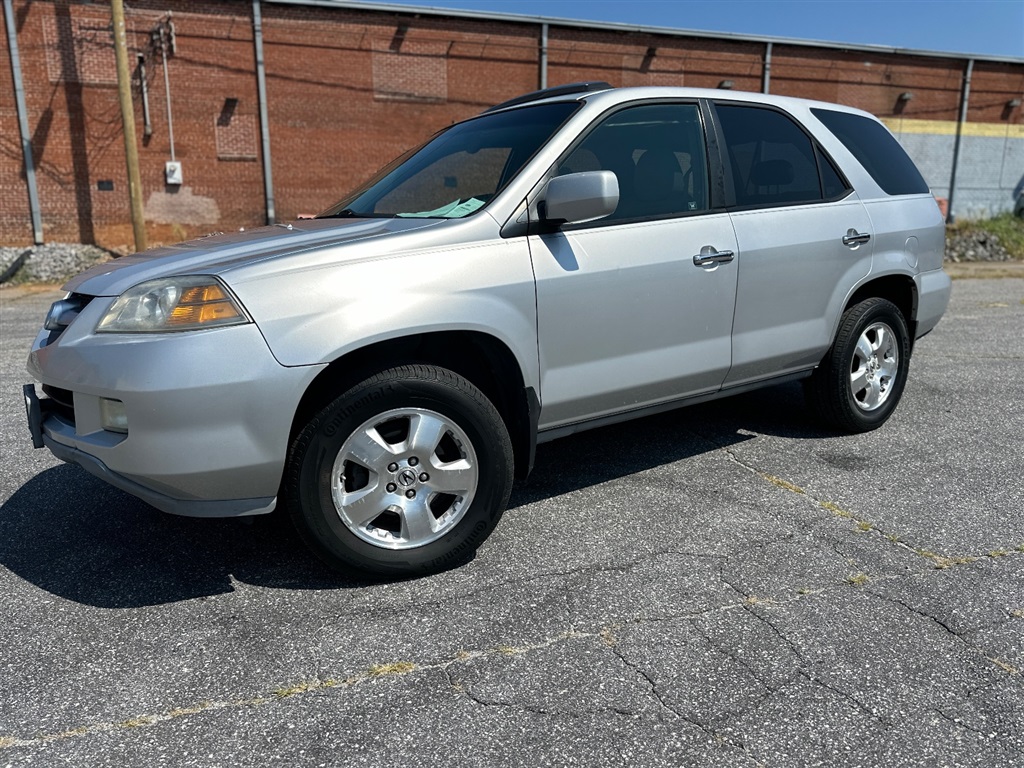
(750, 603)
(848, 697)
(864, 525)
(917, 612)
(655, 693)
(959, 723)
(997, 661)
(761, 615)
(544, 577)
(604, 634)
(466, 691)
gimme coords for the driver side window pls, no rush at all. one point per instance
(656, 152)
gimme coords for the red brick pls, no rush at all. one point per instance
(348, 91)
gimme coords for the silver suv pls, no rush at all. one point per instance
(575, 257)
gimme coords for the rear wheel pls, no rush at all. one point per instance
(406, 473)
(860, 381)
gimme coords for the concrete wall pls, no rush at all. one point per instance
(349, 90)
(991, 172)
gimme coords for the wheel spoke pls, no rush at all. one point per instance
(369, 449)
(874, 394)
(456, 477)
(418, 523)
(425, 432)
(887, 370)
(859, 381)
(864, 350)
(883, 341)
(362, 506)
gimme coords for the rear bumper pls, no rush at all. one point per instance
(933, 290)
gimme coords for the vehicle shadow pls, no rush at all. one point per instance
(72, 535)
(592, 457)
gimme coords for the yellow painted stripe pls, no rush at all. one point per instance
(900, 125)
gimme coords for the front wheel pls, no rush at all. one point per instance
(406, 473)
(861, 379)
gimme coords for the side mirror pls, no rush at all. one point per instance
(580, 197)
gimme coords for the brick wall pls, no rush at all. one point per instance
(872, 82)
(627, 59)
(349, 90)
(71, 99)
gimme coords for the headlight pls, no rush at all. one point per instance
(173, 304)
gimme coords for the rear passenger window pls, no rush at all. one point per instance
(773, 161)
(877, 150)
(657, 153)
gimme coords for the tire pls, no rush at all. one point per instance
(860, 381)
(407, 473)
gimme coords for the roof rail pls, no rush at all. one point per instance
(558, 90)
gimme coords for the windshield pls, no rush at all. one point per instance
(459, 170)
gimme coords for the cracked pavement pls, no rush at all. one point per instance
(723, 585)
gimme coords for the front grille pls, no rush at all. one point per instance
(62, 402)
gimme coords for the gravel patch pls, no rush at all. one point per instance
(975, 246)
(50, 263)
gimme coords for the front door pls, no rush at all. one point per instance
(627, 317)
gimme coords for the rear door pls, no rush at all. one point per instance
(804, 241)
(626, 317)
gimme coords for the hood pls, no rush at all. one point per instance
(218, 253)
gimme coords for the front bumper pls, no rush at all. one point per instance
(209, 413)
(39, 414)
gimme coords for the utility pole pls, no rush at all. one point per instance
(965, 96)
(26, 137)
(131, 152)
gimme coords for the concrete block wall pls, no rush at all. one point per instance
(348, 90)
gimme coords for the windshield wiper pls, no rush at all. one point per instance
(348, 213)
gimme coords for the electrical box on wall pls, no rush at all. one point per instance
(172, 172)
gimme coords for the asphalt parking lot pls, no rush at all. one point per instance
(723, 586)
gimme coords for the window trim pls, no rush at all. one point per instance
(726, 160)
(712, 166)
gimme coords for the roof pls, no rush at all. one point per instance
(604, 94)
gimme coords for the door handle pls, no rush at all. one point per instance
(853, 238)
(708, 255)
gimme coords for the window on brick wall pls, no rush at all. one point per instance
(652, 69)
(235, 134)
(418, 71)
(79, 48)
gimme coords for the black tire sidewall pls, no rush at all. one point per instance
(420, 387)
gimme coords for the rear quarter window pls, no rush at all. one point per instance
(877, 150)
